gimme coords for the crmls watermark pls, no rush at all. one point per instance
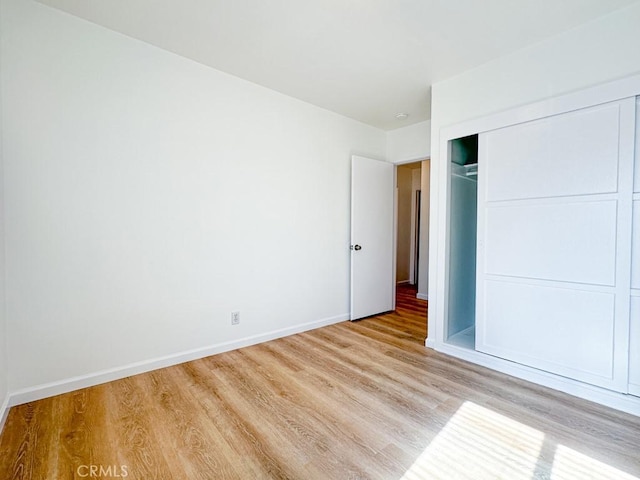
(102, 471)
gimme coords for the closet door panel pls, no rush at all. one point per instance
(635, 247)
(554, 243)
(634, 348)
(570, 154)
(568, 242)
(532, 324)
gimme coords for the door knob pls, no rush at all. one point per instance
(356, 247)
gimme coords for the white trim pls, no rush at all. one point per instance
(619, 401)
(394, 248)
(83, 381)
(416, 160)
(599, 94)
(404, 282)
(422, 296)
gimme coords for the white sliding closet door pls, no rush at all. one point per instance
(634, 342)
(554, 243)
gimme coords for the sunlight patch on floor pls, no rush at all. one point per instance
(479, 443)
(569, 465)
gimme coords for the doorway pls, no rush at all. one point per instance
(412, 234)
(408, 213)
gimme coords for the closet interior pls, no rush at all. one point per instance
(463, 212)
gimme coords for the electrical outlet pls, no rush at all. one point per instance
(235, 318)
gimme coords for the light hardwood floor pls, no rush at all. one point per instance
(353, 400)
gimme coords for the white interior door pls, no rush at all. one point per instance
(372, 206)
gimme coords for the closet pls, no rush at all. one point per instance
(543, 258)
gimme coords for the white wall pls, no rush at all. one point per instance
(148, 196)
(3, 325)
(409, 143)
(594, 53)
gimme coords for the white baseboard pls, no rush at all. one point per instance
(39, 392)
(403, 282)
(422, 296)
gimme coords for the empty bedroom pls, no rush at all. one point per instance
(319, 239)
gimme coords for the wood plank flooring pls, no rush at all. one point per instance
(362, 400)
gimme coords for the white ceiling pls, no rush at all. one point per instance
(366, 59)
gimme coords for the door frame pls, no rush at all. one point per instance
(395, 217)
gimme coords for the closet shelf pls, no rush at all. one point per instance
(469, 170)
